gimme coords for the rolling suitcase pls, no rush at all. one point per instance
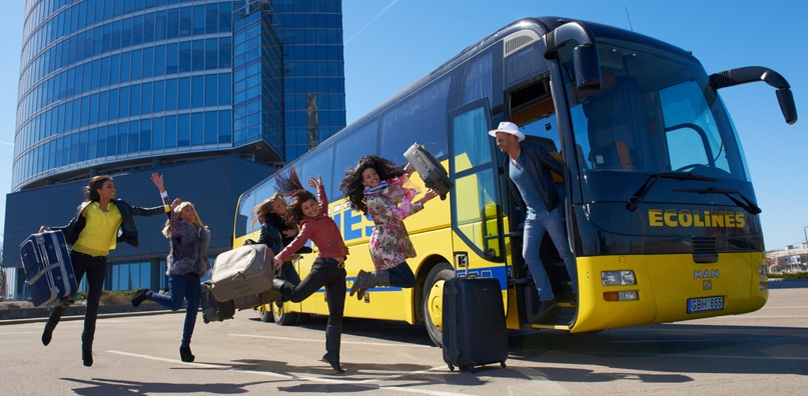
(243, 271)
(48, 271)
(474, 331)
(254, 300)
(430, 170)
(213, 310)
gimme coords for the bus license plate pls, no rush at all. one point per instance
(705, 304)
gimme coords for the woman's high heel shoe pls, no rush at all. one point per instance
(333, 360)
(87, 356)
(185, 354)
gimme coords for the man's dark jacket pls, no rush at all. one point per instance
(538, 163)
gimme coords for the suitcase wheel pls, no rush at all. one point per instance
(502, 363)
(451, 367)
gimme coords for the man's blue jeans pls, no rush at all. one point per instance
(179, 287)
(553, 223)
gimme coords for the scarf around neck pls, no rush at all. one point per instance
(374, 190)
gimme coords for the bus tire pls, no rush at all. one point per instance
(433, 300)
(265, 313)
(283, 318)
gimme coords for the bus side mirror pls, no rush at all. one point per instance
(743, 75)
(585, 56)
(786, 100)
(587, 67)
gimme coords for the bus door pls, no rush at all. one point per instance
(477, 215)
(532, 109)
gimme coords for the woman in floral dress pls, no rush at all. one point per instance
(379, 188)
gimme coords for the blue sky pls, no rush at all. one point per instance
(391, 43)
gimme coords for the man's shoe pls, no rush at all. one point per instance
(139, 297)
(544, 309)
(574, 299)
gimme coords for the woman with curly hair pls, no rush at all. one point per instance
(376, 187)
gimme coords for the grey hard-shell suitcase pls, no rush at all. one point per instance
(429, 168)
(243, 271)
(48, 270)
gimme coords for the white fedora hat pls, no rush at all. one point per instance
(508, 127)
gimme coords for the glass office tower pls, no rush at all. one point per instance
(216, 94)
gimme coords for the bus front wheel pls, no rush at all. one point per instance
(433, 300)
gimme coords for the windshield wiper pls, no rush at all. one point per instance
(637, 198)
(747, 205)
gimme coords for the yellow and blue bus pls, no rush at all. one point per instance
(658, 200)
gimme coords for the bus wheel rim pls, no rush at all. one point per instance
(435, 306)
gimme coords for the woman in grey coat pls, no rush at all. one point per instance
(186, 263)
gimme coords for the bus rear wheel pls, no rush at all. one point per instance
(265, 313)
(433, 300)
(283, 318)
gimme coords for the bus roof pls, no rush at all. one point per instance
(540, 25)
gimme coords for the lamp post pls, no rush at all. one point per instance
(806, 236)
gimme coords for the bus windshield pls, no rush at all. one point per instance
(654, 113)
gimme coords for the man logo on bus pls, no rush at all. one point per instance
(686, 218)
(707, 285)
(706, 274)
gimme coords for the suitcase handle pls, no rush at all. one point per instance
(242, 288)
(39, 274)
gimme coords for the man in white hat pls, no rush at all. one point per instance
(528, 172)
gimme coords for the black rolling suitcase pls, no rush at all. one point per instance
(254, 300)
(212, 309)
(474, 331)
(48, 270)
(430, 170)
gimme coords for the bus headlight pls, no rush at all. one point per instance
(615, 278)
(762, 271)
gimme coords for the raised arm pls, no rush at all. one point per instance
(317, 183)
(158, 181)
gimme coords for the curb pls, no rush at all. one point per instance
(77, 313)
(780, 283)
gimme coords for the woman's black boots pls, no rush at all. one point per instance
(185, 354)
(87, 354)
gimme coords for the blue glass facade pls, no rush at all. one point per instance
(258, 80)
(112, 81)
(314, 86)
(106, 82)
(114, 87)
